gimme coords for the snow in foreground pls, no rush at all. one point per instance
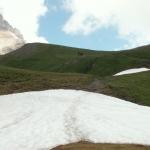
(131, 71)
(43, 120)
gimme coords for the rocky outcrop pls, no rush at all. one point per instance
(10, 38)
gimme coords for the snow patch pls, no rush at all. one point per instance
(131, 71)
(43, 120)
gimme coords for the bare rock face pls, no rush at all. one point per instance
(10, 38)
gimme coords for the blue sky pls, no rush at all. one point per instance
(51, 28)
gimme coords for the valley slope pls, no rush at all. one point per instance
(38, 66)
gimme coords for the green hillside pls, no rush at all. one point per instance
(18, 80)
(42, 66)
(54, 58)
(76, 68)
(134, 87)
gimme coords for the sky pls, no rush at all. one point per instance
(92, 24)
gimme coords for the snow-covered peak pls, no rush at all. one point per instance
(131, 71)
(43, 120)
(10, 38)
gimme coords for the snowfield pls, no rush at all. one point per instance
(131, 71)
(43, 120)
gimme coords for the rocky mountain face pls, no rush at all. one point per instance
(10, 38)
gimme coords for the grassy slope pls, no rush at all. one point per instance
(18, 80)
(134, 87)
(53, 58)
(76, 69)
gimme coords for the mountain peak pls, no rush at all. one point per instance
(10, 38)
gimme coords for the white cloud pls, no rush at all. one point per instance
(24, 15)
(130, 17)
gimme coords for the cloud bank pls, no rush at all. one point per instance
(24, 15)
(130, 17)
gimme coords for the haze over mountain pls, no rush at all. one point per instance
(10, 38)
